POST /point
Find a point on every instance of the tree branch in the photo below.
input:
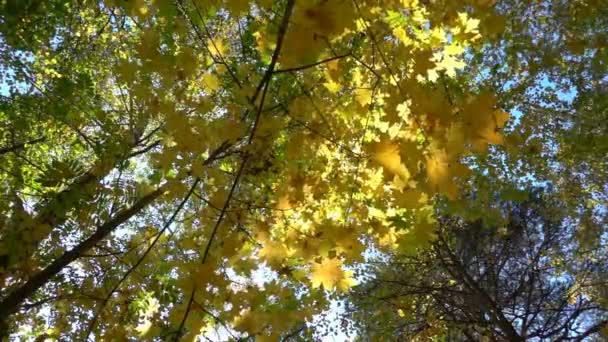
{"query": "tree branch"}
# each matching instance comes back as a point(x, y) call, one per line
point(19, 146)
point(11, 303)
point(594, 329)
point(307, 66)
point(505, 326)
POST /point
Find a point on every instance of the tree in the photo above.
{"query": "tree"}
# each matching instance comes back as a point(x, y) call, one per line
point(549, 65)
point(159, 157)
point(523, 280)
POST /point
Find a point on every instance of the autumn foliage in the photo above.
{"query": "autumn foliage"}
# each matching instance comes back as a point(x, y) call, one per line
point(170, 168)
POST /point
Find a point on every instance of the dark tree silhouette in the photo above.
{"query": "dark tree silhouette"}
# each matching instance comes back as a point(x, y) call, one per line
point(527, 280)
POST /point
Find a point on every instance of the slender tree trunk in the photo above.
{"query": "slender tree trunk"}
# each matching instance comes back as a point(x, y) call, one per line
point(11, 303)
point(54, 212)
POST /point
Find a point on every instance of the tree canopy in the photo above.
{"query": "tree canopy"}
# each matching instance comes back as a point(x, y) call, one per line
point(526, 280)
point(223, 169)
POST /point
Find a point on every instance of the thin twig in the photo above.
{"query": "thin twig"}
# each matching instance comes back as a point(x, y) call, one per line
point(307, 66)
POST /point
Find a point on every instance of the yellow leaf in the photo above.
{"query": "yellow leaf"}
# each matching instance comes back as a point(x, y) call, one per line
point(455, 139)
point(450, 63)
point(326, 17)
point(273, 252)
point(409, 3)
point(332, 86)
point(469, 24)
point(410, 198)
point(484, 122)
point(330, 275)
point(216, 47)
point(494, 24)
point(247, 322)
point(438, 173)
point(501, 118)
point(284, 203)
point(401, 34)
point(403, 110)
point(218, 198)
point(236, 7)
point(387, 155)
point(211, 82)
point(143, 328)
point(363, 96)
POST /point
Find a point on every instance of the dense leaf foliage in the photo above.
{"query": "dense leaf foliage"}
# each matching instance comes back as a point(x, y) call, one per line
point(171, 168)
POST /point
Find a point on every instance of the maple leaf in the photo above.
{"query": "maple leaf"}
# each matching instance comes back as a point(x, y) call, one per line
point(248, 322)
point(237, 7)
point(332, 86)
point(273, 252)
point(217, 47)
point(387, 154)
point(468, 24)
point(439, 174)
point(330, 275)
point(410, 198)
point(211, 82)
point(363, 96)
point(450, 64)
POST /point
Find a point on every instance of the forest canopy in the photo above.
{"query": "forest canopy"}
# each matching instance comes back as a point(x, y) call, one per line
point(226, 169)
